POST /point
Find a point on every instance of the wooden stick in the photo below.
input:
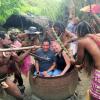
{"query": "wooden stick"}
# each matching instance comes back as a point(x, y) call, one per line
point(43, 58)
point(18, 49)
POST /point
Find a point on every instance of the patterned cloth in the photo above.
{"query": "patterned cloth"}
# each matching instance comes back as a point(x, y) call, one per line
point(27, 62)
point(95, 84)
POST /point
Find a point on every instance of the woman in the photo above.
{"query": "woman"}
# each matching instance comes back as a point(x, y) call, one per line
point(62, 60)
point(65, 36)
point(88, 55)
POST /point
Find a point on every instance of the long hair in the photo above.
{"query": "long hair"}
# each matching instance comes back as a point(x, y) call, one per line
point(61, 27)
point(83, 28)
point(88, 63)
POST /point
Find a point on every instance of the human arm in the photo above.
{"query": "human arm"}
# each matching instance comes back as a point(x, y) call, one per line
point(52, 67)
point(21, 57)
point(72, 37)
point(68, 63)
point(37, 66)
point(46, 73)
point(70, 34)
point(80, 52)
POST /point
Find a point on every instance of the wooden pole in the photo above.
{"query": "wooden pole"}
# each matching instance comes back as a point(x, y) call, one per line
point(18, 49)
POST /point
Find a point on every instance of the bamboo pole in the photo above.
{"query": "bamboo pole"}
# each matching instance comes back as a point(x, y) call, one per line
point(18, 49)
point(61, 43)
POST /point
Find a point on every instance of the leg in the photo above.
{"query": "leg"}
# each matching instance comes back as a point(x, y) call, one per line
point(19, 78)
point(13, 90)
point(56, 72)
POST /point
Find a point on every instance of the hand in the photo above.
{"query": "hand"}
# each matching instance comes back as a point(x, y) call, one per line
point(45, 74)
point(72, 60)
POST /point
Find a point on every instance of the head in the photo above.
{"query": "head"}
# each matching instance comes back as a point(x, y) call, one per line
point(47, 30)
point(59, 28)
point(32, 31)
point(56, 47)
point(75, 20)
point(4, 39)
point(46, 45)
point(83, 29)
point(12, 37)
point(7, 54)
point(32, 34)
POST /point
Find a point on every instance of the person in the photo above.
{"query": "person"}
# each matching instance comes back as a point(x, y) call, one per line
point(64, 36)
point(33, 35)
point(62, 60)
point(5, 83)
point(88, 56)
point(46, 63)
point(72, 25)
point(48, 33)
point(17, 73)
point(96, 17)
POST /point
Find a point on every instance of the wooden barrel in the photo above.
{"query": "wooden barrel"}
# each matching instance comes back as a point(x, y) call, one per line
point(54, 88)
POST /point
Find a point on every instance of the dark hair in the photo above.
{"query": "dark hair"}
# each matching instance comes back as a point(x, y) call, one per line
point(13, 37)
point(2, 35)
point(6, 46)
point(46, 40)
point(88, 63)
point(83, 29)
point(60, 25)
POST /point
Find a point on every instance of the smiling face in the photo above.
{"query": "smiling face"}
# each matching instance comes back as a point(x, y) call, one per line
point(46, 46)
point(56, 47)
point(6, 41)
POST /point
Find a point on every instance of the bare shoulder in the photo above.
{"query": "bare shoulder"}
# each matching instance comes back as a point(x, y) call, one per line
point(81, 42)
point(84, 41)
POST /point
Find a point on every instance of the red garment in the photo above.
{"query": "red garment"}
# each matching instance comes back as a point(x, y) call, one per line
point(96, 38)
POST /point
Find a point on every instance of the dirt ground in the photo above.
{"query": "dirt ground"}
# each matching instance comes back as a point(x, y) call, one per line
point(81, 90)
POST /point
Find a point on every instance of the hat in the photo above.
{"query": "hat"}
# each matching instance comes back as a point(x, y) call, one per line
point(32, 30)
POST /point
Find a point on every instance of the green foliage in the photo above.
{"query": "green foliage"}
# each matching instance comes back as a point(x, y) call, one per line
point(49, 8)
point(8, 7)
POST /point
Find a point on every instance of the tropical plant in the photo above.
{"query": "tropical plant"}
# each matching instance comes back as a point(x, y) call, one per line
point(47, 8)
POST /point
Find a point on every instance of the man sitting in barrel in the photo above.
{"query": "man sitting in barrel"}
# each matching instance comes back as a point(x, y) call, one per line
point(46, 62)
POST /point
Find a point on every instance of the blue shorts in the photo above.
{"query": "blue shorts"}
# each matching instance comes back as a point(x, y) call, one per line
point(41, 73)
point(51, 73)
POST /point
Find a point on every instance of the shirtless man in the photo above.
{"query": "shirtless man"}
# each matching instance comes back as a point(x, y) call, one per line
point(5, 83)
point(89, 57)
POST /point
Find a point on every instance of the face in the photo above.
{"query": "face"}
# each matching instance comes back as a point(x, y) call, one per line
point(6, 41)
point(56, 47)
point(46, 46)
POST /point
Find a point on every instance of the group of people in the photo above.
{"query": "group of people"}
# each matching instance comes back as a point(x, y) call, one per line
point(52, 59)
point(87, 56)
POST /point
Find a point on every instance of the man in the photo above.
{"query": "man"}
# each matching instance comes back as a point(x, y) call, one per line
point(5, 83)
point(88, 56)
point(72, 25)
point(46, 63)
